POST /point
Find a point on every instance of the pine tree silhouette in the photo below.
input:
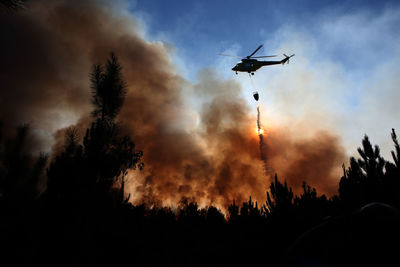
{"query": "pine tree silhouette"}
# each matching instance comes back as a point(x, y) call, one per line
point(108, 89)
point(392, 175)
point(371, 178)
point(396, 153)
point(91, 171)
point(280, 199)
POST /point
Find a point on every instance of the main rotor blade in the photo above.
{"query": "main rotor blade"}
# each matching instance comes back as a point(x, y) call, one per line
point(264, 56)
point(229, 55)
point(255, 51)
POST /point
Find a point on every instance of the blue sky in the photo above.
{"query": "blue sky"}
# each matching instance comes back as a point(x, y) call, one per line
point(345, 74)
point(202, 29)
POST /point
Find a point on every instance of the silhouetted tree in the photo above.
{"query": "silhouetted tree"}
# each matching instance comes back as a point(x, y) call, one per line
point(393, 168)
point(189, 212)
point(311, 209)
point(392, 175)
point(250, 213)
point(362, 182)
point(92, 170)
point(396, 153)
point(371, 162)
point(281, 198)
point(108, 89)
point(233, 212)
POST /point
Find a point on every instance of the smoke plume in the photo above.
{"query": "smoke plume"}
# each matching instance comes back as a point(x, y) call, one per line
point(198, 138)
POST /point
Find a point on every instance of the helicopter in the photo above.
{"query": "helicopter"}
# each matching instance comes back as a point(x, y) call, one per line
point(250, 64)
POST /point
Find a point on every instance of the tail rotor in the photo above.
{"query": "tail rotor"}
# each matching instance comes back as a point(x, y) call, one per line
point(287, 58)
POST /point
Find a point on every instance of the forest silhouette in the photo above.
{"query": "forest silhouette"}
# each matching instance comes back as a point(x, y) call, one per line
point(72, 209)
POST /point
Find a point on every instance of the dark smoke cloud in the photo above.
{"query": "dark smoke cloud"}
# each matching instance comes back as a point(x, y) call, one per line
point(216, 163)
point(316, 159)
point(209, 152)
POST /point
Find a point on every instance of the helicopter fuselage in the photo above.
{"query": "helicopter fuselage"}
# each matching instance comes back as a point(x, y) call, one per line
point(251, 65)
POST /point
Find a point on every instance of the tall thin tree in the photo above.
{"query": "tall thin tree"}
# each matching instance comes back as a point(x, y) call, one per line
point(108, 89)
